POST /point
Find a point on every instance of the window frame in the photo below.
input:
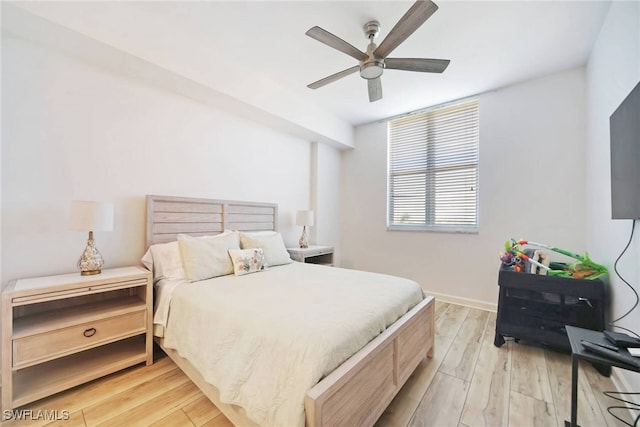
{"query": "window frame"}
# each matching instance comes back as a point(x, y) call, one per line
point(425, 227)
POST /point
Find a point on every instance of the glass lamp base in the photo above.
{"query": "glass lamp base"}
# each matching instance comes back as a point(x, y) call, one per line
point(304, 240)
point(90, 261)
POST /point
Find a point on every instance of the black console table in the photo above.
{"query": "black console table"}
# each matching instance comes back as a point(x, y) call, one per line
point(536, 308)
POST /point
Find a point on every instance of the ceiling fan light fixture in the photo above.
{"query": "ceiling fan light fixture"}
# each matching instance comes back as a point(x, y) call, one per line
point(371, 70)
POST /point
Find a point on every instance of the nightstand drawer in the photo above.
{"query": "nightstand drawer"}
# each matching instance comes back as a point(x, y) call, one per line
point(57, 343)
point(316, 252)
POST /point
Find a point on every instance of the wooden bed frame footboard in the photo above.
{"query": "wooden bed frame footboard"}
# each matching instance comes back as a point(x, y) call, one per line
point(359, 390)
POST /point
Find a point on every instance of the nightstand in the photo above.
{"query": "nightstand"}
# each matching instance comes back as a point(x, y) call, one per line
point(313, 254)
point(62, 331)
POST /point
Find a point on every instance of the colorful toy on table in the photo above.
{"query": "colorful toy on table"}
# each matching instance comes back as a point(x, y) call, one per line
point(512, 260)
point(517, 259)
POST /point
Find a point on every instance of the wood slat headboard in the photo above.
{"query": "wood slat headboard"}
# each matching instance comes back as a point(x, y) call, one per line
point(168, 216)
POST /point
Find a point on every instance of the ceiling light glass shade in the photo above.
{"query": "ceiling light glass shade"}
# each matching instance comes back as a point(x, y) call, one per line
point(371, 70)
point(91, 216)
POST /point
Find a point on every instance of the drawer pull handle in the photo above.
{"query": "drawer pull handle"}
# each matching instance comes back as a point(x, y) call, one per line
point(89, 332)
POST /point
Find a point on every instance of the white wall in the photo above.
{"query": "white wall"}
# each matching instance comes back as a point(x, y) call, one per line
point(194, 71)
point(613, 70)
point(532, 167)
point(325, 197)
point(72, 130)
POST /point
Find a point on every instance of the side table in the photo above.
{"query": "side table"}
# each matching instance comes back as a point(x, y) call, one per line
point(578, 352)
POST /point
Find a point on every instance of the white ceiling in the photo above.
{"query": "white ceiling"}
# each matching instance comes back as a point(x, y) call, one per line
point(491, 44)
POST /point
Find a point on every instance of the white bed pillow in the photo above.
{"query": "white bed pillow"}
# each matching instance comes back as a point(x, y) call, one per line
point(207, 258)
point(275, 252)
point(163, 259)
point(247, 261)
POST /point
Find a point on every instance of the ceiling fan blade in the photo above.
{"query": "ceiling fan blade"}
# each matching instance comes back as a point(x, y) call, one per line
point(375, 89)
point(324, 36)
point(411, 21)
point(333, 77)
point(417, 64)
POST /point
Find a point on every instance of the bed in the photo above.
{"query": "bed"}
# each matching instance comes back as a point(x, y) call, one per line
point(363, 381)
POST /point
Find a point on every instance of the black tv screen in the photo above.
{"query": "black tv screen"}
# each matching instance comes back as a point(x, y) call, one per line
point(624, 126)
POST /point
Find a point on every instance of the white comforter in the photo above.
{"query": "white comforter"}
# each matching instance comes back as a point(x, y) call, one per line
point(266, 338)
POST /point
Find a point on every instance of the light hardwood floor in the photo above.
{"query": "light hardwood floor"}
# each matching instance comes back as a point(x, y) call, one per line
point(469, 382)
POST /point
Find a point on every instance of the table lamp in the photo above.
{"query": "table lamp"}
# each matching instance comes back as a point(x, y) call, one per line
point(91, 216)
point(304, 219)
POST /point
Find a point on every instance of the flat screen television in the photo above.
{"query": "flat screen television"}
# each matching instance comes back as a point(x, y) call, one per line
point(624, 125)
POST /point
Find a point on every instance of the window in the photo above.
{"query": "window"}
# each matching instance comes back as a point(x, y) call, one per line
point(433, 169)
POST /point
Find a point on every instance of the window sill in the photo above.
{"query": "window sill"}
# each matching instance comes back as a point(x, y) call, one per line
point(435, 229)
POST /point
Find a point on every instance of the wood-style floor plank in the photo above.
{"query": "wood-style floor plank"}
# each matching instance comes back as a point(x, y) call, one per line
point(529, 373)
point(463, 353)
point(219, 421)
point(525, 411)
point(441, 308)
point(76, 419)
point(81, 397)
point(442, 403)
point(157, 408)
point(487, 403)
point(401, 409)
point(449, 320)
point(201, 411)
point(125, 401)
point(54, 419)
point(589, 413)
point(175, 419)
point(599, 384)
point(511, 386)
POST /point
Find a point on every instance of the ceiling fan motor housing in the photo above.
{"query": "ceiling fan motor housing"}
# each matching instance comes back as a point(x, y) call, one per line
point(372, 68)
point(371, 29)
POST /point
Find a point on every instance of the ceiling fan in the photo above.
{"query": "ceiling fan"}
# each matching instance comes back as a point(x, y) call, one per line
point(373, 63)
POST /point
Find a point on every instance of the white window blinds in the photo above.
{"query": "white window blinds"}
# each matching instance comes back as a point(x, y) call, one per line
point(433, 169)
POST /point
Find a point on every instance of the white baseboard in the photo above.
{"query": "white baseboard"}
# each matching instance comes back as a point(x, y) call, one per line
point(467, 302)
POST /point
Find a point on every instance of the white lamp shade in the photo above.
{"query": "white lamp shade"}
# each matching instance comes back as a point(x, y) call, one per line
point(304, 218)
point(91, 216)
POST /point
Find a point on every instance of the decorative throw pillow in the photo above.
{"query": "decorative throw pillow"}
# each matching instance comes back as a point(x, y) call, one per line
point(247, 261)
point(275, 252)
point(207, 258)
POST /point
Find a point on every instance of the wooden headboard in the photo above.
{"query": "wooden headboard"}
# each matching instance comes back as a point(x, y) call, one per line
point(169, 216)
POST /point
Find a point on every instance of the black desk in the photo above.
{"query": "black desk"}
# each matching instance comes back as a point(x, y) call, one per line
point(578, 352)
